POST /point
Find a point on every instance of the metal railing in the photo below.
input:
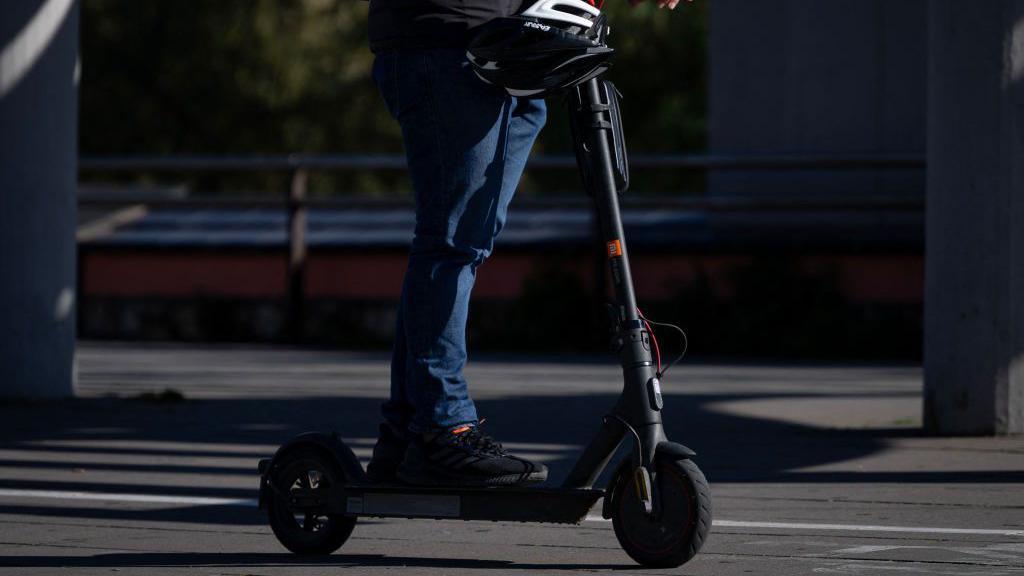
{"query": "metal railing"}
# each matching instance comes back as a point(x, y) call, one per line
point(295, 200)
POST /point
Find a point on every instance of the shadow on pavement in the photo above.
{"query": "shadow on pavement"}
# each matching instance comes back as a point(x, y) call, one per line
point(731, 448)
point(283, 560)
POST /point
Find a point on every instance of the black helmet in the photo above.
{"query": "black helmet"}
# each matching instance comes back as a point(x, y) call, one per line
point(552, 45)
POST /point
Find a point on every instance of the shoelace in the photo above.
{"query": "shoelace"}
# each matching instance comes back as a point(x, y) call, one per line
point(480, 442)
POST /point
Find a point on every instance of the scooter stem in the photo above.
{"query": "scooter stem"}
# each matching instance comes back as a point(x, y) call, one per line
point(637, 408)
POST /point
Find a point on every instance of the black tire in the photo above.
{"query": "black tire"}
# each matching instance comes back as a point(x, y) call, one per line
point(307, 471)
point(678, 529)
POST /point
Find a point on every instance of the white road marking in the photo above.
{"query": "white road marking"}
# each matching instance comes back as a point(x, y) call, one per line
point(994, 552)
point(865, 528)
point(851, 527)
point(251, 502)
point(867, 549)
point(134, 498)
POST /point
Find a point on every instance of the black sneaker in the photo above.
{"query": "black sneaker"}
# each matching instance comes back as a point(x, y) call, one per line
point(464, 456)
point(387, 454)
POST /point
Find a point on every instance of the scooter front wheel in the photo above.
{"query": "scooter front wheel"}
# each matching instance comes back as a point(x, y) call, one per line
point(678, 526)
point(305, 476)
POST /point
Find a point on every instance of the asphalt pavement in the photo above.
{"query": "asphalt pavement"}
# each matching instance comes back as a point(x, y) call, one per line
point(815, 469)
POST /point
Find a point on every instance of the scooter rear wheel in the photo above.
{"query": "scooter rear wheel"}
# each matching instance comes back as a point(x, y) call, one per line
point(303, 475)
point(677, 529)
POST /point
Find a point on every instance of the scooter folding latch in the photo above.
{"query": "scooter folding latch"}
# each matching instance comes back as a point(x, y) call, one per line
point(642, 480)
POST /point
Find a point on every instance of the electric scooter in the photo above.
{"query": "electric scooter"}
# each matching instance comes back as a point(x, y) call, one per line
point(314, 488)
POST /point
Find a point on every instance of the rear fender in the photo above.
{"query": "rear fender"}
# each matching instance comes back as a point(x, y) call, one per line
point(328, 445)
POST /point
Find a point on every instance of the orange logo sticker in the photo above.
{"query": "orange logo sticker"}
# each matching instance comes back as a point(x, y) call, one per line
point(614, 249)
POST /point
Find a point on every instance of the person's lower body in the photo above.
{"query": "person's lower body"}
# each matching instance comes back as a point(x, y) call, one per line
point(467, 144)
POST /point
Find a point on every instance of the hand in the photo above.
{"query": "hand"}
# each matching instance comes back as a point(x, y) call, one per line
point(671, 4)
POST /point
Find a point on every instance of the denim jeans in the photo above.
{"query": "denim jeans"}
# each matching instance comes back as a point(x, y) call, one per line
point(466, 143)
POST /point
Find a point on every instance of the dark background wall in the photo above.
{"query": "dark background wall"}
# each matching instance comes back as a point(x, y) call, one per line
point(782, 76)
point(834, 77)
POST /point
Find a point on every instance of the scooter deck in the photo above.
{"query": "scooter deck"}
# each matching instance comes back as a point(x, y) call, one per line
point(515, 504)
point(499, 503)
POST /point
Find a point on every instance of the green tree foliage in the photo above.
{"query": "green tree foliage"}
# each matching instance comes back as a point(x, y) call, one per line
point(293, 76)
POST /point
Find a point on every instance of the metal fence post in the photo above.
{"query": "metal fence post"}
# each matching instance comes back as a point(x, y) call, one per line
point(295, 287)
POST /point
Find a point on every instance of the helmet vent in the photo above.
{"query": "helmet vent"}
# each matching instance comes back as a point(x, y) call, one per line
point(575, 12)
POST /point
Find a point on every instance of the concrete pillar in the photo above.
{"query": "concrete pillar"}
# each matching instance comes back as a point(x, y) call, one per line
point(38, 135)
point(974, 297)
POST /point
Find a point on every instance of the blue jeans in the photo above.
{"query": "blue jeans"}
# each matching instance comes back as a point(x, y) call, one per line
point(466, 143)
